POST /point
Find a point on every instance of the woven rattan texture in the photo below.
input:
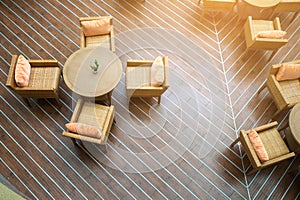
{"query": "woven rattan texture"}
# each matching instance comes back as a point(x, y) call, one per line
point(273, 143)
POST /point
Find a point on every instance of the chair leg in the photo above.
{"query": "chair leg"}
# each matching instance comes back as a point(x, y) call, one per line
point(295, 15)
point(57, 99)
point(284, 126)
point(275, 114)
point(262, 88)
point(198, 2)
point(234, 142)
point(273, 53)
point(27, 101)
point(103, 148)
point(74, 141)
point(252, 170)
point(158, 100)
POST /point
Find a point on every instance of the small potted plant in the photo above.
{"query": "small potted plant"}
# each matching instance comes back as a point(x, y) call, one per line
point(94, 67)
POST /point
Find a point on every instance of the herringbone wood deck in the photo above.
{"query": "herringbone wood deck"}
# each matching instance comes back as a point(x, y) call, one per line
point(179, 149)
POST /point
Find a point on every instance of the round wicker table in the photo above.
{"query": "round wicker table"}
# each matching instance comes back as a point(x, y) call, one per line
point(293, 137)
point(82, 80)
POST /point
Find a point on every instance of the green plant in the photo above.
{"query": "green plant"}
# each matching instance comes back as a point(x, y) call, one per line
point(95, 66)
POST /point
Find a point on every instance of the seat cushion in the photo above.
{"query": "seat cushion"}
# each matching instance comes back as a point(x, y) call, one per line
point(273, 143)
point(22, 71)
point(288, 71)
point(138, 77)
point(84, 129)
point(290, 90)
point(94, 115)
point(96, 27)
point(44, 78)
point(262, 25)
point(103, 40)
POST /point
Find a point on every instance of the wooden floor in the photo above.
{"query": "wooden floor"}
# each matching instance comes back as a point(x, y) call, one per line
point(176, 150)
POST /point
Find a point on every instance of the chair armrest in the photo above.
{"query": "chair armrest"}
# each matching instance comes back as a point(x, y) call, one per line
point(276, 23)
point(82, 137)
point(43, 63)
point(278, 159)
point(166, 72)
point(10, 82)
point(275, 90)
point(249, 27)
point(109, 120)
point(112, 38)
point(136, 63)
point(77, 110)
point(265, 127)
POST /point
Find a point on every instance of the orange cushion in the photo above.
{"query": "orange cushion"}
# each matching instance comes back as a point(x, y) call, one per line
point(288, 71)
point(157, 72)
point(276, 34)
point(96, 27)
point(22, 71)
point(258, 145)
point(84, 129)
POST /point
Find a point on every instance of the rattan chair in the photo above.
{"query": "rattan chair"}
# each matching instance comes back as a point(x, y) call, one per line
point(106, 40)
point(253, 27)
point(275, 146)
point(288, 6)
point(43, 81)
point(138, 79)
point(286, 93)
point(95, 115)
point(218, 5)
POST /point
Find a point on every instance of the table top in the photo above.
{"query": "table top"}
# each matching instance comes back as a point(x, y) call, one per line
point(79, 77)
point(262, 3)
point(294, 122)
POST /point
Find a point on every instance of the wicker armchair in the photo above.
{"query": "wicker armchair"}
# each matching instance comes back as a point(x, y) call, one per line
point(95, 115)
point(275, 146)
point(138, 81)
point(288, 6)
point(251, 29)
point(43, 82)
point(218, 5)
point(286, 93)
point(106, 40)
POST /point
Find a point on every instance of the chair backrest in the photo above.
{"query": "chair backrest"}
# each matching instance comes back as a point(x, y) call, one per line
point(274, 69)
point(109, 38)
point(11, 74)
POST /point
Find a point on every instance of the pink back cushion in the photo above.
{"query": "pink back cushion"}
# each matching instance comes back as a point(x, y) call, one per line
point(22, 71)
point(275, 34)
point(288, 71)
point(258, 145)
point(157, 72)
point(84, 129)
point(96, 27)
